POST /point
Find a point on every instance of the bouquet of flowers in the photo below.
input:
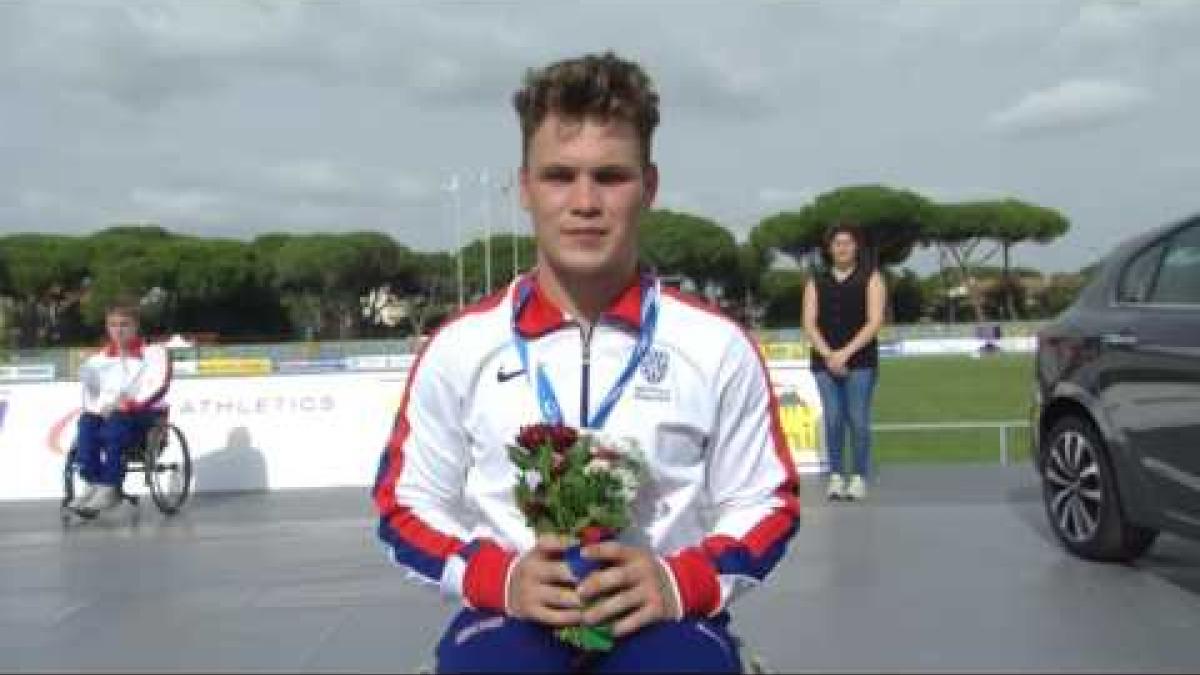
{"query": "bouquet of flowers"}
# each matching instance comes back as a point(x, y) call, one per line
point(580, 486)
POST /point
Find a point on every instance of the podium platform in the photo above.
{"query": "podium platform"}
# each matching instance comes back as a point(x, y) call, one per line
point(945, 568)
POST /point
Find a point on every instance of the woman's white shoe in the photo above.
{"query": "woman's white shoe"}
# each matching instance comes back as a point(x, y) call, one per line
point(837, 487)
point(858, 488)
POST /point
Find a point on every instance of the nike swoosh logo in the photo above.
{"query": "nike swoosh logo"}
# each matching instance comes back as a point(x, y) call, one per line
point(502, 376)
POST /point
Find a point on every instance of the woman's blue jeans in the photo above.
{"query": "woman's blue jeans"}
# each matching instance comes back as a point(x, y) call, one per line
point(846, 401)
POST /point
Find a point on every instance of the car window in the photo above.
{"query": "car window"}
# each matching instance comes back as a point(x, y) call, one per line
point(1179, 277)
point(1138, 277)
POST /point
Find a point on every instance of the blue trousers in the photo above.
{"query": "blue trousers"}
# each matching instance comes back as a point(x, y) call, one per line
point(100, 442)
point(485, 642)
point(846, 401)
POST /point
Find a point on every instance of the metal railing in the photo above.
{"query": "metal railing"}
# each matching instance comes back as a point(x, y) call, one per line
point(1001, 427)
point(790, 342)
point(916, 331)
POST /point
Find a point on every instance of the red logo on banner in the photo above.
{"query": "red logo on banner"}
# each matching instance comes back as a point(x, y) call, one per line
point(54, 438)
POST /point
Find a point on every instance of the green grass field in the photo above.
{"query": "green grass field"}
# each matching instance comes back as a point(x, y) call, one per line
point(952, 389)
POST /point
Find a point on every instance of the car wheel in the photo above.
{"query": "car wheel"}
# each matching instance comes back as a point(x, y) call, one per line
point(1080, 494)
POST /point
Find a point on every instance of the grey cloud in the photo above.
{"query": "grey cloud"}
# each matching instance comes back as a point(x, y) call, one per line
point(144, 55)
point(333, 182)
point(1122, 23)
point(171, 205)
point(1070, 106)
point(786, 198)
point(234, 118)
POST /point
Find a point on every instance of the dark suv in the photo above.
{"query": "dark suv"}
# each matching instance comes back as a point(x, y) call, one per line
point(1117, 405)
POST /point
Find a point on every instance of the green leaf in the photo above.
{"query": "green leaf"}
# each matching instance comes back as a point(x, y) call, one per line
point(579, 455)
point(571, 635)
point(597, 638)
point(588, 638)
point(520, 457)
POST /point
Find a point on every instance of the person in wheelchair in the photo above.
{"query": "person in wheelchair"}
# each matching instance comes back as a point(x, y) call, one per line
point(124, 390)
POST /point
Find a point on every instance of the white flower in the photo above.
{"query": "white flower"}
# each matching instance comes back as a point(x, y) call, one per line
point(629, 482)
point(625, 447)
point(533, 479)
point(632, 450)
point(598, 465)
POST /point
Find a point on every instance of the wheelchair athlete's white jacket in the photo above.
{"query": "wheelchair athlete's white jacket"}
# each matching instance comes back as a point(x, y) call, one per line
point(141, 372)
point(721, 501)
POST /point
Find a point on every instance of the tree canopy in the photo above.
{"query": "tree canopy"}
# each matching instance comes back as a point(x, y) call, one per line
point(283, 285)
point(689, 246)
point(893, 221)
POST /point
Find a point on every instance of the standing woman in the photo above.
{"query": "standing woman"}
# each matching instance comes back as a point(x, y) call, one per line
point(843, 312)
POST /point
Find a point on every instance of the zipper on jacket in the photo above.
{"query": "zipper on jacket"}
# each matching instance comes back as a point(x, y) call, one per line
point(586, 362)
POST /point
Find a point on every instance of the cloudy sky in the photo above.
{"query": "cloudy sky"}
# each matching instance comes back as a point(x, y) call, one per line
point(239, 117)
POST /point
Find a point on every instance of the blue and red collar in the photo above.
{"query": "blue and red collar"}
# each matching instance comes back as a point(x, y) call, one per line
point(539, 315)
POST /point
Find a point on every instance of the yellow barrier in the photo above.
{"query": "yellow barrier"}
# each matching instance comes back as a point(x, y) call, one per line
point(799, 424)
point(233, 366)
point(784, 350)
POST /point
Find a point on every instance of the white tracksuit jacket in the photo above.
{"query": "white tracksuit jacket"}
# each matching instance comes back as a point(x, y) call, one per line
point(142, 372)
point(721, 500)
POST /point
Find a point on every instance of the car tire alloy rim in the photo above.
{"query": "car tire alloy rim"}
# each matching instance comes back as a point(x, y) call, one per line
point(1074, 492)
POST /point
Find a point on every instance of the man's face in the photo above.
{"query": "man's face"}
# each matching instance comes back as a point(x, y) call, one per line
point(120, 328)
point(585, 186)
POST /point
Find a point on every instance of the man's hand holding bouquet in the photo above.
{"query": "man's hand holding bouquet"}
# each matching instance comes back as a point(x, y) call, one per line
point(576, 491)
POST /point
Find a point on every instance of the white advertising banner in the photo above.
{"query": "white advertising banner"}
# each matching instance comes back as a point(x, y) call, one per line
point(30, 415)
point(283, 431)
point(799, 412)
point(36, 372)
point(968, 346)
point(244, 433)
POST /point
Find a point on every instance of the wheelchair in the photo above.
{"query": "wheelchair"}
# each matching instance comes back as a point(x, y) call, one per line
point(162, 458)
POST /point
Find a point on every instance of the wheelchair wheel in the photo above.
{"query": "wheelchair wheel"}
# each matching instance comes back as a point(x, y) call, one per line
point(168, 466)
point(72, 482)
point(71, 479)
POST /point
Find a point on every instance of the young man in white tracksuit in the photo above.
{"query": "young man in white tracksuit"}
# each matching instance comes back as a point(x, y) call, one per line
point(124, 390)
point(620, 353)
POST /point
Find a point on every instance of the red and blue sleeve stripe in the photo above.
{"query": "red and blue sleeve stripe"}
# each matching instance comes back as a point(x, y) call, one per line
point(759, 550)
point(697, 570)
point(421, 547)
point(414, 544)
point(757, 553)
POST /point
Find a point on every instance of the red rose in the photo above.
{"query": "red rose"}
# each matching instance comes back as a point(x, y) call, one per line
point(558, 436)
point(563, 438)
point(530, 437)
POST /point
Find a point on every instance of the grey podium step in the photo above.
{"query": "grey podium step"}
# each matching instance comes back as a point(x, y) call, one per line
point(944, 568)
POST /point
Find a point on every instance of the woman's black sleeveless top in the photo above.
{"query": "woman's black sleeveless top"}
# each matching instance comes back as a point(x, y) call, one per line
point(841, 313)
